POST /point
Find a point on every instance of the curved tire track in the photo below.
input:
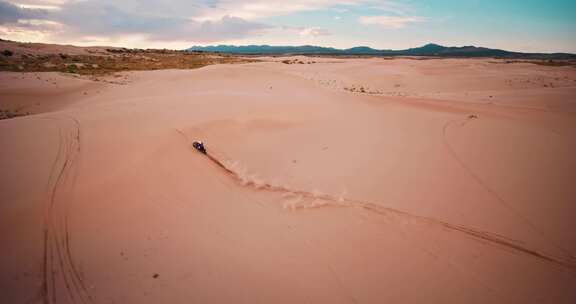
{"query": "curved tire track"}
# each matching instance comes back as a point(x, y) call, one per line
point(497, 197)
point(59, 268)
point(492, 238)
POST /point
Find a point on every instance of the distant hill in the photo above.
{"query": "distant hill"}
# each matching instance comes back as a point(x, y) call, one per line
point(266, 49)
point(431, 49)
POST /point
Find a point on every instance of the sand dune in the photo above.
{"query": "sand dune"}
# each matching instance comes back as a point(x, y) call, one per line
point(444, 181)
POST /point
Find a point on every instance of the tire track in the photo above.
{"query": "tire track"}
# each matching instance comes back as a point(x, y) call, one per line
point(74, 272)
point(497, 197)
point(329, 200)
point(59, 268)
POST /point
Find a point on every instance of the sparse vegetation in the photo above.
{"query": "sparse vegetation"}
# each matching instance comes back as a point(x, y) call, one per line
point(296, 61)
point(549, 62)
point(362, 90)
point(113, 60)
point(7, 114)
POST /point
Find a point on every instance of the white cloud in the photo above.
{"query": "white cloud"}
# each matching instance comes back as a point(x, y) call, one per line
point(394, 22)
point(341, 10)
point(314, 32)
point(396, 8)
point(38, 6)
point(106, 19)
point(257, 9)
point(195, 21)
point(168, 21)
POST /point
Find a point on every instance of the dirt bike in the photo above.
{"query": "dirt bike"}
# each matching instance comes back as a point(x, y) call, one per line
point(198, 145)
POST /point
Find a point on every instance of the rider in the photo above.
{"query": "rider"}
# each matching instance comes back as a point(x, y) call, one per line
point(199, 145)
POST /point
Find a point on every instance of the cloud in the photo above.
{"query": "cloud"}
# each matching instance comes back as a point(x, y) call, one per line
point(195, 21)
point(113, 19)
point(314, 32)
point(185, 21)
point(97, 19)
point(259, 9)
point(256, 9)
point(393, 7)
point(341, 10)
point(38, 6)
point(394, 22)
point(39, 2)
point(11, 13)
point(226, 28)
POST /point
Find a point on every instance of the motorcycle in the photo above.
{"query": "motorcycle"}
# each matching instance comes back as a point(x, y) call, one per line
point(199, 146)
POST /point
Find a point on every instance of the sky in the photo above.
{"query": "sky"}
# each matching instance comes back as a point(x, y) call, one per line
point(516, 25)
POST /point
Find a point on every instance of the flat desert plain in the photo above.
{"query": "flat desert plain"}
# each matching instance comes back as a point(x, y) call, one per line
point(326, 181)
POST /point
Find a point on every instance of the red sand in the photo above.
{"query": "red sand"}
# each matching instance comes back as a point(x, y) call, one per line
point(451, 182)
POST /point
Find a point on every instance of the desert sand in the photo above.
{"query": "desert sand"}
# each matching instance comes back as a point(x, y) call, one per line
point(332, 181)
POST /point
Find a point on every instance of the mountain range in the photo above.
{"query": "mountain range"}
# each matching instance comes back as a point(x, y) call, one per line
point(431, 49)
